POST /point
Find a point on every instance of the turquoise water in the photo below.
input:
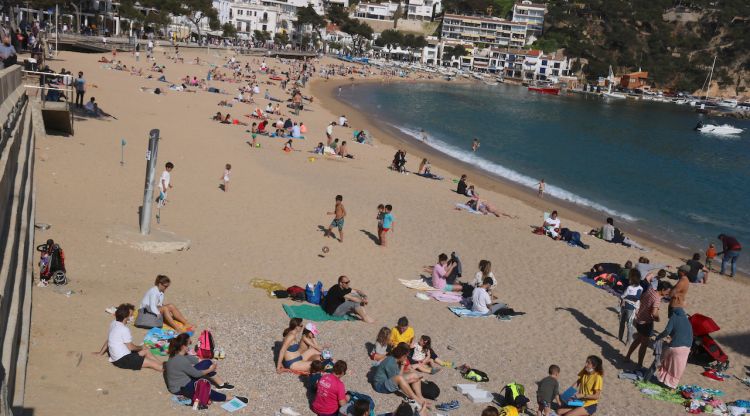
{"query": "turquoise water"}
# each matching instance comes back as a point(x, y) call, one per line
point(638, 161)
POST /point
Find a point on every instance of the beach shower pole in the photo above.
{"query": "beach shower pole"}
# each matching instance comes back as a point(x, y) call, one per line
point(148, 190)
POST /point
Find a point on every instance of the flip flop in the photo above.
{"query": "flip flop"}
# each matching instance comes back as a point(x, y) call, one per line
point(711, 374)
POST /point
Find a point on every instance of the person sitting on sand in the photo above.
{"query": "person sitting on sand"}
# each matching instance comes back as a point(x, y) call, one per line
point(424, 170)
point(318, 150)
point(119, 344)
point(288, 146)
point(330, 395)
point(399, 161)
point(262, 127)
point(423, 358)
point(485, 270)
point(296, 131)
point(361, 137)
point(481, 300)
point(380, 347)
point(290, 357)
point(218, 117)
point(440, 271)
point(551, 226)
point(698, 272)
point(462, 185)
point(343, 300)
point(183, 370)
point(153, 311)
point(588, 388)
point(390, 376)
point(309, 341)
point(343, 151)
point(93, 109)
point(227, 119)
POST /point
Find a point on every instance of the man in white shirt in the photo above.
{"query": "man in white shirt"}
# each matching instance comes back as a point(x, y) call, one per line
point(329, 133)
point(122, 352)
point(482, 301)
point(343, 122)
point(552, 226)
point(165, 183)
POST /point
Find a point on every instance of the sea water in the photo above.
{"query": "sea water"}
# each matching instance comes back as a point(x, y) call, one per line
point(640, 162)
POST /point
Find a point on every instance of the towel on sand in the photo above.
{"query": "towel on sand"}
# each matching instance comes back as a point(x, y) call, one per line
point(312, 313)
point(463, 312)
point(268, 285)
point(592, 282)
point(417, 284)
point(451, 297)
point(467, 208)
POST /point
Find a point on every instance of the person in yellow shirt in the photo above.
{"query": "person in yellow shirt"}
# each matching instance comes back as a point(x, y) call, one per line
point(402, 332)
point(589, 388)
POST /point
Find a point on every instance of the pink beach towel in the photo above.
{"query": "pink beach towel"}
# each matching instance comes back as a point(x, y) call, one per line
point(673, 365)
point(446, 297)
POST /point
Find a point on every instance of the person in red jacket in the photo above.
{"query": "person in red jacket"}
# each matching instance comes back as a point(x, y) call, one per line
point(731, 250)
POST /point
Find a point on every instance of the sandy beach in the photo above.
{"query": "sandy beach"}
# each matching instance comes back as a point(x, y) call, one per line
point(269, 226)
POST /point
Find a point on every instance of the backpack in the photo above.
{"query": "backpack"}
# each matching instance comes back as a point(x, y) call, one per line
point(430, 390)
point(478, 376)
point(314, 294)
point(206, 345)
point(515, 395)
point(354, 396)
point(201, 393)
point(296, 293)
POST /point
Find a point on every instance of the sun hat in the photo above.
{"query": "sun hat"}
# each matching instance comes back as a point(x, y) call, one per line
point(312, 328)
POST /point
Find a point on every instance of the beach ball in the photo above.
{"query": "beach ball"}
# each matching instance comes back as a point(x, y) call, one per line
point(257, 145)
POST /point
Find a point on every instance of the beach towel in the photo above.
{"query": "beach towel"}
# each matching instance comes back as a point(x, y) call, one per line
point(417, 284)
point(658, 392)
point(446, 297)
point(463, 312)
point(157, 340)
point(312, 313)
point(467, 208)
point(268, 285)
point(592, 282)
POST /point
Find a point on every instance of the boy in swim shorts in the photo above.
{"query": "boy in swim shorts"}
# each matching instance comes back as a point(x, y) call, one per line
point(339, 212)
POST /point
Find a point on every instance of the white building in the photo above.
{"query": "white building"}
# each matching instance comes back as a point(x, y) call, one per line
point(416, 10)
point(432, 53)
point(532, 14)
point(247, 18)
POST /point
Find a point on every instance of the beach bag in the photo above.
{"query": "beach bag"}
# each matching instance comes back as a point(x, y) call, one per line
point(354, 396)
point(296, 293)
point(478, 376)
point(148, 320)
point(430, 390)
point(508, 410)
point(201, 393)
point(314, 293)
point(206, 345)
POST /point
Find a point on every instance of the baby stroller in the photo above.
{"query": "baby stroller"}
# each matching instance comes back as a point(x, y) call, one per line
point(705, 351)
point(52, 263)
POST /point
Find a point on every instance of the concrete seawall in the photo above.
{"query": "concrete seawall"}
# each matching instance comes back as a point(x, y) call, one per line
point(17, 136)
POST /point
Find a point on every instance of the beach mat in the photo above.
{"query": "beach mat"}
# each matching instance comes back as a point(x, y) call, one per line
point(592, 282)
point(312, 313)
point(417, 284)
point(467, 208)
point(463, 312)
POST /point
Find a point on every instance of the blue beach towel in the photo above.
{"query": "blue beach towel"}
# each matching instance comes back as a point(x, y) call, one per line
point(592, 282)
point(463, 312)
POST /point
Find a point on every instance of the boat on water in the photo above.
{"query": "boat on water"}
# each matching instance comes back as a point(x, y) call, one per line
point(545, 89)
point(610, 93)
point(723, 129)
point(726, 103)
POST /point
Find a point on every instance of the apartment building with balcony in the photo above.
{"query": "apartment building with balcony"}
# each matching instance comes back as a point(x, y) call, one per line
point(532, 14)
point(416, 10)
point(486, 31)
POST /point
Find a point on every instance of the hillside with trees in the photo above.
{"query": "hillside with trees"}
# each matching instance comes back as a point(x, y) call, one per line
point(674, 41)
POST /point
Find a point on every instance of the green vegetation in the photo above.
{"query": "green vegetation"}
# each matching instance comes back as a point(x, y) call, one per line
point(632, 34)
point(498, 8)
point(397, 38)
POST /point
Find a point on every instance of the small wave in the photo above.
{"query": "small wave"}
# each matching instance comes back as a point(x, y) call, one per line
point(510, 174)
point(702, 219)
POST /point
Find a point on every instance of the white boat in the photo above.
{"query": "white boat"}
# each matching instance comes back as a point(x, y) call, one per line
point(610, 93)
point(728, 103)
point(724, 129)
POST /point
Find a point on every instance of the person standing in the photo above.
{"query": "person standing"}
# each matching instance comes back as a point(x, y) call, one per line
point(387, 224)
point(645, 316)
point(540, 191)
point(475, 145)
point(165, 183)
point(8, 55)
point(677, 297)
point(675, 358)
point(731, 250)
point(339, 212)
point(80, 84)
point(329, 133)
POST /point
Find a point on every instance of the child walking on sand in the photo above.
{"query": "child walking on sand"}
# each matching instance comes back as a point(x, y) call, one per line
point(225, 178)
point(548, 391)
point(339, 212)
point(710, 255)
point(379, 217)
point(541, 188)
point(387, 224)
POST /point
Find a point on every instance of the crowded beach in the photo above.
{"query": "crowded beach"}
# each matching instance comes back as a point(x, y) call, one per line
point(434, 288)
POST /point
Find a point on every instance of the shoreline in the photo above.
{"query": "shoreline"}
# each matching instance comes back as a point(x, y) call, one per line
point(325, 92)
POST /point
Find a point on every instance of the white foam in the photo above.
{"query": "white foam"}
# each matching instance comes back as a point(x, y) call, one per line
point(511, 175)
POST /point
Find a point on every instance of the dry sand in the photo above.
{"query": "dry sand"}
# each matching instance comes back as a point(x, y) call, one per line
point(268, 226)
